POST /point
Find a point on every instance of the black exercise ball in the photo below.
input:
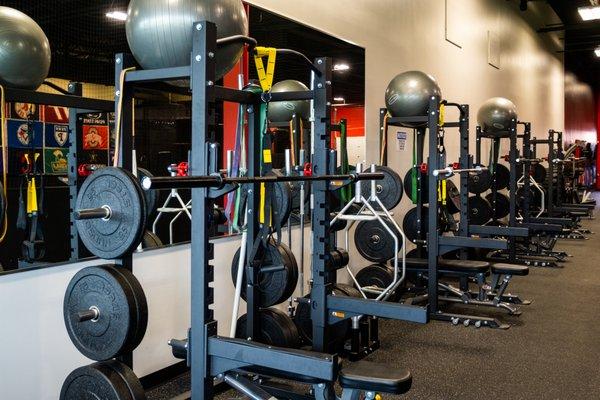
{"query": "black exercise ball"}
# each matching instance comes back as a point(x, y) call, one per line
point(496, 115)
point(408, 94)
point(159, 32)
point(24, 50)
point(283, 111)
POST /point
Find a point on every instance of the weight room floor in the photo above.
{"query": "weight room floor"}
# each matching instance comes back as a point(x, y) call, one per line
point(551, 352)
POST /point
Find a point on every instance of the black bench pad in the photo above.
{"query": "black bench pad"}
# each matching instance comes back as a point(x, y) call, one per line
point(510, 269)
point(370, 376)
point(451, 266)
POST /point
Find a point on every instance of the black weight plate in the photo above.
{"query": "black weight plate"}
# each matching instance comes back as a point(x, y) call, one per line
point(378, 275)
point(277, 328)
point(502, 176)
point(123, 231)
point(388, 189)
point(535, 198)
point(539, 173)
point(480, 211)
point(349, 290)
point(479, 182)
point(141, 307)
point(274, 286)
point(501, 207)
point(411, 226)
point(282, 206)
point(131, 380)
point(95, 382)
point(374, 242)
point(408, 177)
point(151, 240)
point(292, 267)
point(295, 189)
point(414, 253)
point(303, 321)
point(151, 196)
point(452, 197)
point(115, 328)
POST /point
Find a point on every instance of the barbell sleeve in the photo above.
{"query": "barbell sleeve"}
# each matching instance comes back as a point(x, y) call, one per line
point(92, 213)
point(448, 171)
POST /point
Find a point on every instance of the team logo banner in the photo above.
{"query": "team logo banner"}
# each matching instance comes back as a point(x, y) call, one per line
point(95, 137)
point(57, 135)
point(55, 161)
point(21, 134)
point(25, 111)
point(56, 114)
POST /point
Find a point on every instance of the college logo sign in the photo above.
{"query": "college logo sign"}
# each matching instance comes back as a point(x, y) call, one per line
point(61, 134)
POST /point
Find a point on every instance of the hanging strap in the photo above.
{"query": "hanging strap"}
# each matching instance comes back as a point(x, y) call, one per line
point(413, 176)
point(383, 139)
point(265, 77)
point(119, 116)
point(4, 139)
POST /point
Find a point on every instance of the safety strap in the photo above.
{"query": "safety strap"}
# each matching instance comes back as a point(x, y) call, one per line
point(413, 175)
point(346, 191)
point(383, 139)
point(265, 77)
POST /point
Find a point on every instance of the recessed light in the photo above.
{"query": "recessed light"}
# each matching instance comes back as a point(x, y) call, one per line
point(118, 15)
point(341, 67)
point(597, 51)
point(339, 99)
point(589, 13)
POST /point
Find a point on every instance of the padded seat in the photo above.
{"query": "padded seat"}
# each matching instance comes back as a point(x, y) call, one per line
point(370, 376)
point(510, 269)
point(451, 266)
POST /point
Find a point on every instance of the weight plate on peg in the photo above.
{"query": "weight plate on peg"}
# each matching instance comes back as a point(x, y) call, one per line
point(501, 207)
point(151, 196)
point(377, 275)
point(412, 227)
point(535, 198)
point(101, 381)
point(276, 285)
point(388, 189)
point(121, 306)
point(502, 176)
point(277, 328)
point(424, 182)
point(452, 197)
point(295, 189)
point(303, 320)
point(141, 306)
point(282, 206)
point(539, 173)
point(480, 210)
point(479, 182)
point(374, 242)
point(133, 383)
point(151, 240)
point(121, 233)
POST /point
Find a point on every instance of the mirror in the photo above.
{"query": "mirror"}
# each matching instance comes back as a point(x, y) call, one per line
point(83, 51)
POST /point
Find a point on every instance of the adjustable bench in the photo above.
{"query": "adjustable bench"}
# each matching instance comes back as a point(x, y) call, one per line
point(357, 378)
point(492, 295)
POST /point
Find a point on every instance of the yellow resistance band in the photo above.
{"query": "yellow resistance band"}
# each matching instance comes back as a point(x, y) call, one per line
point(265, 77)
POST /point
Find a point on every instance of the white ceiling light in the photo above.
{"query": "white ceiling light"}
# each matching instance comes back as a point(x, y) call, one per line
point(339, 99)
point(589, 13)
point(597, 51)
point(341, 67)
point(118, 15)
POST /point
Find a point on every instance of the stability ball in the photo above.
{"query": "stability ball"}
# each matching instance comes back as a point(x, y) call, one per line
point(159, 32)
point(408, 94)
point(24, 50)
point(496, 115)
point(283, 111)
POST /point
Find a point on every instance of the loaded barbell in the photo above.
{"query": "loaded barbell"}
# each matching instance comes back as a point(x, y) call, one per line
point(110, 212)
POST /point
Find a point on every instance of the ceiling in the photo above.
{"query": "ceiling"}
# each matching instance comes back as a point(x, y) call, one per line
point(581, 38)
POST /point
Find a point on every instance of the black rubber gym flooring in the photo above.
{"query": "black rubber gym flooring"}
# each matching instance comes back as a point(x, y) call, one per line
point(552, 351)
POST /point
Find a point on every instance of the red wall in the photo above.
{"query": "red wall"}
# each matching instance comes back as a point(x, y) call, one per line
point(355, 115)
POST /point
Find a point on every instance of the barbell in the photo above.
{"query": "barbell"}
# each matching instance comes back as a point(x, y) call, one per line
point(110, 212)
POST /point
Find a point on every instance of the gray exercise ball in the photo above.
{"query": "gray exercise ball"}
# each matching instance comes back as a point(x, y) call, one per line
point(283, 111)
point(408, 94)
point(24, 50)
point(159, 32)
point(496, 115)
